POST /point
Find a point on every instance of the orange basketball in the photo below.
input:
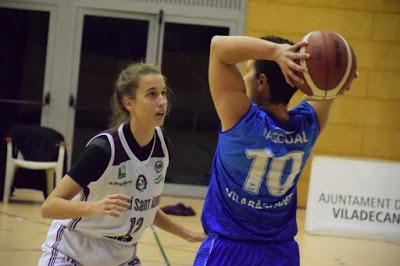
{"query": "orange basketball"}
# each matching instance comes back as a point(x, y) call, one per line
point(331, 67)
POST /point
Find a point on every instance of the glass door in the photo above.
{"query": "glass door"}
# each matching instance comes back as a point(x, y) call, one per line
point(109, 41)
point(192, 125)
point(23, 55)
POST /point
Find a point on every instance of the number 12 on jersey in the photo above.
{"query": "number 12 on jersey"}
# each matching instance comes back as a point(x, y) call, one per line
point(261, 158)
point(135, 223)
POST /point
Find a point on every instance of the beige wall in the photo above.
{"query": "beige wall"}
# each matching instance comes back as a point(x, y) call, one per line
point(365, 122)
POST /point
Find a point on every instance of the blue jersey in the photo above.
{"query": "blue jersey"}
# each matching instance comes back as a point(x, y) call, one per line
point(257, 164)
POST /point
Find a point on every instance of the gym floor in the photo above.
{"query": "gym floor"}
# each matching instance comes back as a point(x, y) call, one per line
point(22, 232)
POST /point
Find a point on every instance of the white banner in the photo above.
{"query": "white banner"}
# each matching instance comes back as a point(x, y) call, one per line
point(354, 197)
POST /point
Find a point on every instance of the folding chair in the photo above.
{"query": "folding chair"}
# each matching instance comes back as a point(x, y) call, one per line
point(35, 148)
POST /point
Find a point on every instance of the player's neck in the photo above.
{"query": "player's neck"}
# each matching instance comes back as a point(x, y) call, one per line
point(279, 111)
point(143, 134)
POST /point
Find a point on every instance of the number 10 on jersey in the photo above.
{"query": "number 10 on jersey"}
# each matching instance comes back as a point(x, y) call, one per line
point(259, 165)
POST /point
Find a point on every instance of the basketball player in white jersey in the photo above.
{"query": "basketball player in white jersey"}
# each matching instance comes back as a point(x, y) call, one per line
point(111, 194)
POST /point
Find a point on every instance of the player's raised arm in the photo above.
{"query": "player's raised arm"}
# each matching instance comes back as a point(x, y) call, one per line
point(323, 107)
point(226, 83)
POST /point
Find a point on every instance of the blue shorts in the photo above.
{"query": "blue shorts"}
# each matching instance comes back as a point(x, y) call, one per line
point(220, 251)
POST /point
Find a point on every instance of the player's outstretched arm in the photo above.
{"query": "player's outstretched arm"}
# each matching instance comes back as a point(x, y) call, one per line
point(164, 222)
point(322, 107)
point(226, 83)
point(58, 204)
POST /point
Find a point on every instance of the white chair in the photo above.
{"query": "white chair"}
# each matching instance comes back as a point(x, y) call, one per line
point(35, 148)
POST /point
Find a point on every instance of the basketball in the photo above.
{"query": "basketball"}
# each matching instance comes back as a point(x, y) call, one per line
point(331, 67)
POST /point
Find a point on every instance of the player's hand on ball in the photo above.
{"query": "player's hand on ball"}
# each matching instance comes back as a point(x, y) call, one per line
point(113, 205)
point(285, 56)
point(348, 88)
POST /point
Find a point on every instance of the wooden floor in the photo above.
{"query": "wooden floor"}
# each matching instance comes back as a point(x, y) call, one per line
point(22, 231)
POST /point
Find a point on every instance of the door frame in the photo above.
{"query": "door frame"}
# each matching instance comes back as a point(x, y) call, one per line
point(64, 50)
point(81, 12)
point(190, 21)
point(51, 7)
point(184, 189)
point(154, 51)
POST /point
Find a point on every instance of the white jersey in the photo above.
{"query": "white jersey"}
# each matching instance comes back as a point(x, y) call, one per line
point(142, 181)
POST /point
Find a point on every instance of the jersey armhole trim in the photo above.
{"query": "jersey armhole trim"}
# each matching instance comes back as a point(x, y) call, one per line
point(251, 107)
point(112, 147)
point(314, 115)
point(163, 144)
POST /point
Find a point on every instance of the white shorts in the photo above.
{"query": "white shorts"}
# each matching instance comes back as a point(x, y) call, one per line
point(67, 247)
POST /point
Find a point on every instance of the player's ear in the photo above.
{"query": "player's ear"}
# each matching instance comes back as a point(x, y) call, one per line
point(262, 82)
point(128, 103)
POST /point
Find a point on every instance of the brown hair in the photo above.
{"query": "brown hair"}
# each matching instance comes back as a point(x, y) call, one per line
point(126, 85)
point(280, 91)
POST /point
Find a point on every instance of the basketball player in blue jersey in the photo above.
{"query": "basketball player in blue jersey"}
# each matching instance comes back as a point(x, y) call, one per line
point(249, 213)
point(111, 194)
